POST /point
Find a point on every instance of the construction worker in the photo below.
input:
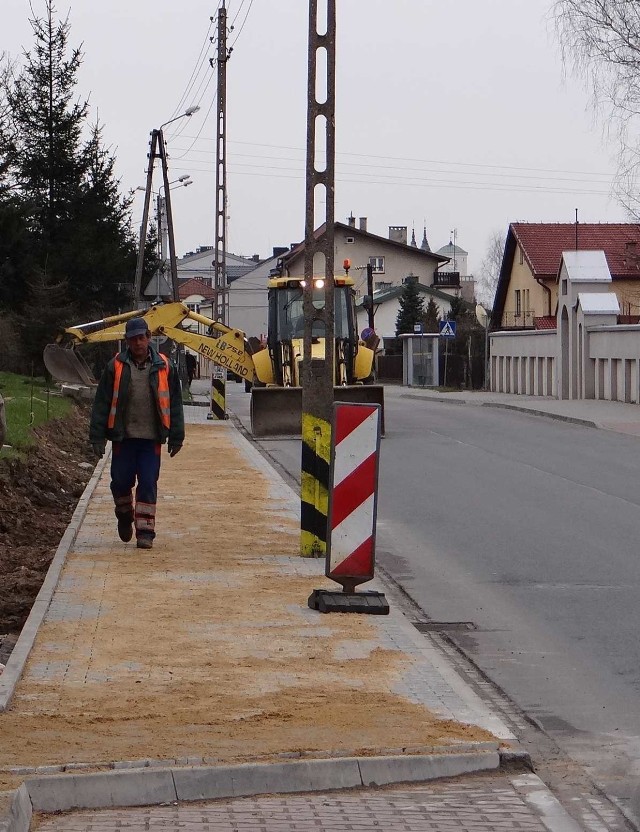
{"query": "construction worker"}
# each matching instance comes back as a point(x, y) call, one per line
point(138, 406)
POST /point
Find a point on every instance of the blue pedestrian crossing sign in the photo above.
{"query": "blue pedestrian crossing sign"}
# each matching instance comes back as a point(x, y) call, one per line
point(448, 329)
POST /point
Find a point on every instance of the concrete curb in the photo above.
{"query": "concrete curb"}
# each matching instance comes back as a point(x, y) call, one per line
point(142, 787)
point(18, 658)
point(558, 416)
point(18, 818)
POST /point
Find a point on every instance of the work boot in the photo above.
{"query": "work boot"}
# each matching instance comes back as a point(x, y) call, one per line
point(145, 542)
point(125, 527)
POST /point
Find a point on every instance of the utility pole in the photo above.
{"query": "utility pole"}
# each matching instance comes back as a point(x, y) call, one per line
point(318, 373)
point(137, 289)
point(157, 151)
point(370, 311)
point(220, 248)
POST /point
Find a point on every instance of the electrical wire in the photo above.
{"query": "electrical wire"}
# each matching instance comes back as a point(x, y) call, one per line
point(241, 27)
point(195, 71)
point(457, 184)
point(405, 169)
point(422, 161)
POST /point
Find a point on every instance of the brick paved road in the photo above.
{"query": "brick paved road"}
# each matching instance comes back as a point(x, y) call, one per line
point(475, 804)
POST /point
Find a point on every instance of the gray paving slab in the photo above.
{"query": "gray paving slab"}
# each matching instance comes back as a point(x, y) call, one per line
point(473, 804)
point(15, 665)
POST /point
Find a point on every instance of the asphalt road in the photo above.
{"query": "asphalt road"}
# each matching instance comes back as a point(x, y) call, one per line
point(527, 529)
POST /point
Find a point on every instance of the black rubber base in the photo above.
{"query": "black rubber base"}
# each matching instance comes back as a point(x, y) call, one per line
point(370, 603)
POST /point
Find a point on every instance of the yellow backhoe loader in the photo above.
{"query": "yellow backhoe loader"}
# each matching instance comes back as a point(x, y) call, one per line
point(273, 372)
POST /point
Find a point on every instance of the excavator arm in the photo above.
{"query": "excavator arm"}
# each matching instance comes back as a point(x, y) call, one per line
point(223, 345)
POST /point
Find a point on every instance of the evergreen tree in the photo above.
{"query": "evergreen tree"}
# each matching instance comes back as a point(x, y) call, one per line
point(411, 308)
point(458, 310)
point(431, 317)
point(49, 308)
point(46, 125)
point(103, 250)
point(76, 222)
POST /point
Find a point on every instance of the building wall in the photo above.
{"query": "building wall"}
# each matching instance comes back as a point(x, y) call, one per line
point(387, 313)
point(535, 302)
point(398, 263)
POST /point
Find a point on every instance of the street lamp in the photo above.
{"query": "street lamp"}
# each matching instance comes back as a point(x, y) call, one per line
point(188, 112)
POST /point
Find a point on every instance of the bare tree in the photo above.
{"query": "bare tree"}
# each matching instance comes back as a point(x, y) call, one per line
point(490, 269)
point(600, 40)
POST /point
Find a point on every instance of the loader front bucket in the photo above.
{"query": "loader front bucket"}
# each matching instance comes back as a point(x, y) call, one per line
point(66, 366)
point(277, 411)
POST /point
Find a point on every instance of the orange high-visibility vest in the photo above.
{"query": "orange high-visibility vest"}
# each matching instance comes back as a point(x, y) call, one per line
point(164, 400)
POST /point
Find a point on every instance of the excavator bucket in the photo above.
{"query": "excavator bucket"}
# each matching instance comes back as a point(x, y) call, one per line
point(277, 411)
point(67, 366)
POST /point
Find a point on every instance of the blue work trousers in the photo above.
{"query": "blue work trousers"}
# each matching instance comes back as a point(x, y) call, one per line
point(136, 460)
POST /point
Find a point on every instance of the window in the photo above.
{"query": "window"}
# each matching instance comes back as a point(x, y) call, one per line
point(518, 303)
point(521, 255)
point(377, 264)
point(194, 307)
point(564, 286)
point(350, 239)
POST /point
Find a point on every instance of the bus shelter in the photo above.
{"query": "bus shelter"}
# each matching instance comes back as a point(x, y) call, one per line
point(420, 366)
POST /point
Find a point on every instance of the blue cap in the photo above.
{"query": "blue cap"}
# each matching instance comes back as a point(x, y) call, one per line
point(135, 326)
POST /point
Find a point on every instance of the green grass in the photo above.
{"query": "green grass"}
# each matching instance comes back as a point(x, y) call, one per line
point(25, 403)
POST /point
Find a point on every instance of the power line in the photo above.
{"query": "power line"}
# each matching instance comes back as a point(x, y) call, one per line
point(394, 167)
point(196, 69)
point(241, 27)
point(426, 161)
point(414, 182)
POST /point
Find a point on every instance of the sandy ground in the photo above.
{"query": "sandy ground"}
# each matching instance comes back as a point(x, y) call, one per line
point(204, 646)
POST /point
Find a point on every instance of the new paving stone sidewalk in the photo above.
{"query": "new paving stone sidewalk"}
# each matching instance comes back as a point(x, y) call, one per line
point(203, 652)
point(482, 803)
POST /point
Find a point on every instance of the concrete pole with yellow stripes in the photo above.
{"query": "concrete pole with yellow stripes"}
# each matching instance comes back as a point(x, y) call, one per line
point(317, 372)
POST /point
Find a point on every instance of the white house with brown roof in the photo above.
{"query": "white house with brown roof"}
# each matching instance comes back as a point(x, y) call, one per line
point(391, 258)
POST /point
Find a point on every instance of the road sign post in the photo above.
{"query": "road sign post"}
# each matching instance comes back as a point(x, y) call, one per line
point(447, 331)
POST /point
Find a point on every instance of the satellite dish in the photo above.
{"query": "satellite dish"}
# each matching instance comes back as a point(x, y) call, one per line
point(482, 315)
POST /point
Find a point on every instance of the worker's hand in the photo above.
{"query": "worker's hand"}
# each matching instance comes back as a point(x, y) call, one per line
point(173, 448)
point(99, 448)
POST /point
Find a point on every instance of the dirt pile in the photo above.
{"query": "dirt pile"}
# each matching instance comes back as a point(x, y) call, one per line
point(38, 495)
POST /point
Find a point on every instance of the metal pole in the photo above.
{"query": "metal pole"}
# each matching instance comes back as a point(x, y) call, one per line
point(370, 293)
point(486, 354)
point(318, 373)
point(220, 248)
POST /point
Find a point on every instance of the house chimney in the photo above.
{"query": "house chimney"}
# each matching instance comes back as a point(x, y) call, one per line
point(278, 251)
point(363, 223)
point(351, 220)
point(398, 233)
point(411, 278)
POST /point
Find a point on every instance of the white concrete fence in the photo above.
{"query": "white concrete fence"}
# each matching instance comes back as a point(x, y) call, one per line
point(588, 356)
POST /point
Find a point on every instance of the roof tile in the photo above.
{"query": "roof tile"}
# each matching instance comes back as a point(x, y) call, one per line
point(543, 244)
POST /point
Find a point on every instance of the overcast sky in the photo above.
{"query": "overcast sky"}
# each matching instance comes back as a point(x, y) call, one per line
point(451, 114)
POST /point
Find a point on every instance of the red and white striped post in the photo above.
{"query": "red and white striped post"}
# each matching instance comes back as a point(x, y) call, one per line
point(353, 502)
